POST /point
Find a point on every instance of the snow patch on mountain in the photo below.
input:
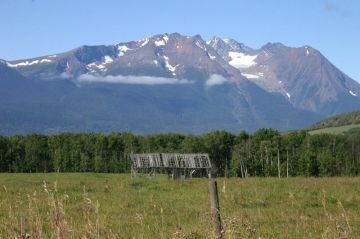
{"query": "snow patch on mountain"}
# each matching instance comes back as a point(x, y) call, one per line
point(145, 42)
point(198, 44)
point(211, 56)
point(29, 63)
point(166, 38)
point(135, 80)
point(170, 67)
point(45, 60)
point(108, 59)
point(352, 93)
point(93, 66)
point(241, 60)
point(122, 49)
point(215, 80)
point(251, 76)
point(162, 41)
point(226, 40)
point(98, 66)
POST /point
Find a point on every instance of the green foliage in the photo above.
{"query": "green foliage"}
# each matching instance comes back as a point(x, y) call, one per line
point(265, 153)
point(351, 118)
point(219, 144)
point(337, 130)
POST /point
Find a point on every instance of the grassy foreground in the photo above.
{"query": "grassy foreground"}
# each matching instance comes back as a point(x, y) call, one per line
point(115, 206)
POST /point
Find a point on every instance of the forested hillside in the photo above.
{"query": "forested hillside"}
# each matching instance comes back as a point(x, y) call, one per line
point(339, 120)
point(264, 153)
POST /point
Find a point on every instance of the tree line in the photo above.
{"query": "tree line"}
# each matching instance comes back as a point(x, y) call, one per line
point(264, 153)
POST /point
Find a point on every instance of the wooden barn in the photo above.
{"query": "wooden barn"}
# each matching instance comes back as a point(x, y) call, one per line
point(177, 166)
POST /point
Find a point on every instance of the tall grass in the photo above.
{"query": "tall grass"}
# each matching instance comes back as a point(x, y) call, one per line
point(116, 206)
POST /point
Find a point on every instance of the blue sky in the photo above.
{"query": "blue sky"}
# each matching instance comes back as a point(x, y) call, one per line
point(39, 27)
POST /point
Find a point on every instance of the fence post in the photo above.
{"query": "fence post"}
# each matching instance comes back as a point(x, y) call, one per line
point(23, 228)
point(215, 209)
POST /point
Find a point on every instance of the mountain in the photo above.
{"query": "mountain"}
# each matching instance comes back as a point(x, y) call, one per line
point(172, 82)
point(303, 75)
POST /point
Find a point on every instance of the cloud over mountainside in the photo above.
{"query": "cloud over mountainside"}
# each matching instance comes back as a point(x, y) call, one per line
point(136, 80)
point(215, 80)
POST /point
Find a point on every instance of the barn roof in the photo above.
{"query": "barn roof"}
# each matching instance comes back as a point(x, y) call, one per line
point(171, 160)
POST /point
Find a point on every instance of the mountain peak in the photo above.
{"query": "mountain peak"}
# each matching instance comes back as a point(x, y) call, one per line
point(273, 46)
point(215, 39)
point(225, 45)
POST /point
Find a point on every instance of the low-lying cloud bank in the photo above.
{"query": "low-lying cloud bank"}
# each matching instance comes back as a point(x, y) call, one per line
point(215, 80)
point(136, 80)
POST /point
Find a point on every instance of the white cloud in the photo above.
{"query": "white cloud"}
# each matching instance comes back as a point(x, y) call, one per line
point(136, 80)
point(65, 75)
point(215, 80)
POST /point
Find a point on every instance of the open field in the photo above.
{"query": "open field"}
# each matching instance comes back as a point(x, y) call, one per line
point(335, 130)
point(89, 205)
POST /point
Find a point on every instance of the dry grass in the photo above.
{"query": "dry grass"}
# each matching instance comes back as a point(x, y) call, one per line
point(116, 206)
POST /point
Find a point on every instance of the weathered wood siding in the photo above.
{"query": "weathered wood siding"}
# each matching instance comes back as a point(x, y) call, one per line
point(171, 160)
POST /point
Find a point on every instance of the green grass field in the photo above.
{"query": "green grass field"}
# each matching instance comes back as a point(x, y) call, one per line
point(89, 205)
point(335, 130)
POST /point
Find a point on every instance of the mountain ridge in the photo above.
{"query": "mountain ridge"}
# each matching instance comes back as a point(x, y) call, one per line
point(218, 84)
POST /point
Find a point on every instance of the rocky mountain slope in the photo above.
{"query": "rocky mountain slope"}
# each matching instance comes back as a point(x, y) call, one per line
point(302, 74)
point(172, 82)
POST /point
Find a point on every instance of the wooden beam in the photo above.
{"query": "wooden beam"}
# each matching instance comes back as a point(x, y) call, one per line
point(215, 209)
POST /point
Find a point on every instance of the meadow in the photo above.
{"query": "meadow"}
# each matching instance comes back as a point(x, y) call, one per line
point(92, 205)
